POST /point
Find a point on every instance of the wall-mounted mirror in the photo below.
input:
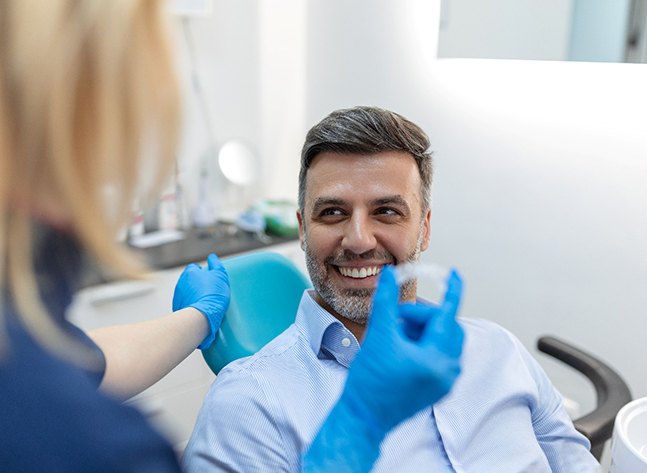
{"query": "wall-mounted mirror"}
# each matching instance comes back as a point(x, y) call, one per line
point(238, 162)
point(556, 30)
point(235, 175)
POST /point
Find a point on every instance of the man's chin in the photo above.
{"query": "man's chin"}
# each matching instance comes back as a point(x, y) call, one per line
point(358, 321)
point(355, 293)
point(355, 308)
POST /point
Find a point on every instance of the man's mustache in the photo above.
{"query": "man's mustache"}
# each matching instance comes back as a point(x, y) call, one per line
point(348, 257)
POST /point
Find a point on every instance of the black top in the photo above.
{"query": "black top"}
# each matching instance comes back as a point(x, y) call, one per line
point(52, 417)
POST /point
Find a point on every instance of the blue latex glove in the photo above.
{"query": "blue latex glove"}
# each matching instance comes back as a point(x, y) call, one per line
point(205, 289)
point(409, 360)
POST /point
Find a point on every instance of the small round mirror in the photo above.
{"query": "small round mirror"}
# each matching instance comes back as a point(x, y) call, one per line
point(238, 162)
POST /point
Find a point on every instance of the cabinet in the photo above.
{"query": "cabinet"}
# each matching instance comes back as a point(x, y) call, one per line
point(172, 404)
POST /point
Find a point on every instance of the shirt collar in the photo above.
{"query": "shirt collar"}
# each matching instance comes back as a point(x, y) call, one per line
point(328, 337)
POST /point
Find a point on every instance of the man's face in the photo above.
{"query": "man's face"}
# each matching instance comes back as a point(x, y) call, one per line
point(361, 212)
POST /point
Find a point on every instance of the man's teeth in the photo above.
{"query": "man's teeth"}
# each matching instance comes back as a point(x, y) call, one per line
point(359, 273)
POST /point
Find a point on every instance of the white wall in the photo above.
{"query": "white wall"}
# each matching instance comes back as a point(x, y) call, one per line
point(227, 47)
point(362, 52)
point(251, 65)
point(283, 43)
point(540, 199)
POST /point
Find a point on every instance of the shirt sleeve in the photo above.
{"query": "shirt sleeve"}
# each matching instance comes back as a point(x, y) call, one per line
point(235, 430)
point(96, 375)
point(565, 448)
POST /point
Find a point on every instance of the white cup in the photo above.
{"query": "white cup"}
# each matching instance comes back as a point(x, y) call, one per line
point(629, 440)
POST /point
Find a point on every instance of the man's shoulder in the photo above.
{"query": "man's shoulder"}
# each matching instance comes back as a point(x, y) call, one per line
point(258, 396)
point(259, 384)
point(278, 350)
point(487, 335)
point(482, 326)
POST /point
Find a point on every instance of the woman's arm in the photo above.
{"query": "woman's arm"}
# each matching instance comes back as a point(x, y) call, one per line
point(138, 355)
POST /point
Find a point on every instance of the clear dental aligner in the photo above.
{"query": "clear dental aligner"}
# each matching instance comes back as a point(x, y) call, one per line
point(432, 273)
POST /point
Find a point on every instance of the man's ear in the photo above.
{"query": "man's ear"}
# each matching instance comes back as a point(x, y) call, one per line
point(426, 230)
point(301, 229)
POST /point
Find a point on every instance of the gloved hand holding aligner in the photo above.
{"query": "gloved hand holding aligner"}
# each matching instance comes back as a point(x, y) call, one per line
point(409, 360)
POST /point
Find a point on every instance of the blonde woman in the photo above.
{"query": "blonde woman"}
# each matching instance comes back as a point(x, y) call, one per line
point(88, 109)
point(88, 99)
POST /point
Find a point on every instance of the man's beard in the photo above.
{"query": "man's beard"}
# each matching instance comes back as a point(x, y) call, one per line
point(354, 303)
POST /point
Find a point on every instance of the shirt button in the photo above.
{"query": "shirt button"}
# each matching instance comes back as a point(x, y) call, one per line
point(345, 342)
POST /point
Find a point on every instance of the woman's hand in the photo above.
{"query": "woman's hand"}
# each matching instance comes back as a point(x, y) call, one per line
point(207, 290)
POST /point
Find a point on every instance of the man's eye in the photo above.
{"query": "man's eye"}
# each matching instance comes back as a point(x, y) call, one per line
point(331, 212)
point(387, 211)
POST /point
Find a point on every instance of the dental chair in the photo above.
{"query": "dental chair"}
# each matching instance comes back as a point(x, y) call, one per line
point(266, 288)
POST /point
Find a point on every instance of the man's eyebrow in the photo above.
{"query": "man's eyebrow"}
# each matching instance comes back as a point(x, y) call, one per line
point(390, 200)
point(325, 202)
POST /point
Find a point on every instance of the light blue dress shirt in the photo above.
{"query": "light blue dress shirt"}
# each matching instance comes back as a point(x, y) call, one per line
point(502, 415)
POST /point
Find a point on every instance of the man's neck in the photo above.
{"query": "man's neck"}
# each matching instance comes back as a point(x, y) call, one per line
point(356, 328)
point(353, 327)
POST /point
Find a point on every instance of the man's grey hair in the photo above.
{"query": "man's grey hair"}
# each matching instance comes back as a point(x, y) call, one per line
point(367, 130)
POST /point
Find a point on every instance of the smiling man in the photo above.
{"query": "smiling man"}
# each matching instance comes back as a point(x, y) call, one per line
point(364, 192)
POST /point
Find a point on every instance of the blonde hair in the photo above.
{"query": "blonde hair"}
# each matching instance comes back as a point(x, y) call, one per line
point(88, 95)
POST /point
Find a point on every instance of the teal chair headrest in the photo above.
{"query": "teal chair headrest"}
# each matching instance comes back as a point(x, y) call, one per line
point(266, 289)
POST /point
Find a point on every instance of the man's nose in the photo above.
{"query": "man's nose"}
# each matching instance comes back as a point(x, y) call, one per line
point(359, 236)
